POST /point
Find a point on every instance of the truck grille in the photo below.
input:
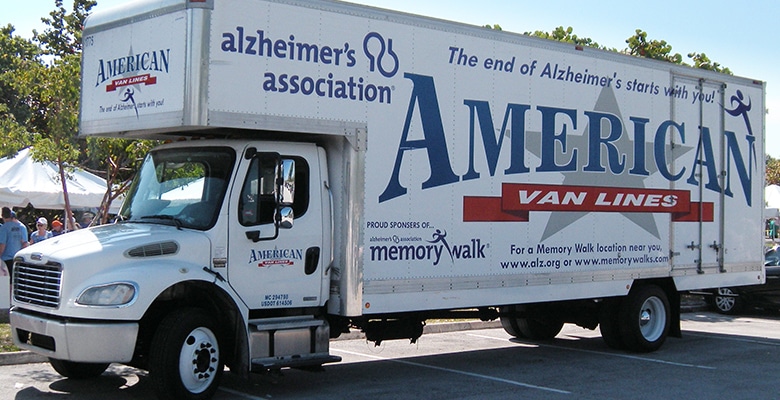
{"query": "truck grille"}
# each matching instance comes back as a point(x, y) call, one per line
point(38, 284)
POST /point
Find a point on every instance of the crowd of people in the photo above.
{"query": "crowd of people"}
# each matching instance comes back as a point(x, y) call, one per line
point(14, 235)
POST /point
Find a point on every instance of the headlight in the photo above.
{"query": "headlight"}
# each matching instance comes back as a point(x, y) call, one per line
point(115, 294)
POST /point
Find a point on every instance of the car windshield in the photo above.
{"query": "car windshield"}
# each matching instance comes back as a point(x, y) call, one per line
point(772, 257)
point(183, 187)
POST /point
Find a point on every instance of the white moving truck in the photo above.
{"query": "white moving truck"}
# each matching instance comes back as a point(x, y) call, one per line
point(334, 166)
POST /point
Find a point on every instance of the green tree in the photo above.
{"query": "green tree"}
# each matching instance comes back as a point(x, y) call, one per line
point(772, 170)
point(638, 45)
point(63, 35)
point(16, 54)
point(700, 60)
point(118, 160)
point(52, 92)
point(567, 35)
point(43, 97)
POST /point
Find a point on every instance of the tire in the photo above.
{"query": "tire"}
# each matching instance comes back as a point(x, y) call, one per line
point(185, 360)
point(609, 315)
point(539, 328)
point(509, 323)
point(77, 370)
point(645, 317)
point(725, 301)
point(534, 328)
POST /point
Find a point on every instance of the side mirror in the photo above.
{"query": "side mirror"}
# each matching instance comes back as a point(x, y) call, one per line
point(285, 191)
point(276, 184)
point(284, 217)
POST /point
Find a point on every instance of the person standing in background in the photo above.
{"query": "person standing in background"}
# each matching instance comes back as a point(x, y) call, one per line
point(56, 228)
point(13, 237)
point(86, 220)
point(42, 233)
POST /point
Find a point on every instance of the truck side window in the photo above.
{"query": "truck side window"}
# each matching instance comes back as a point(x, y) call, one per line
point(256, 204)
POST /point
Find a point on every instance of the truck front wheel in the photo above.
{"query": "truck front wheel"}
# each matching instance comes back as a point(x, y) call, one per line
point(185, 360)
point(645, 317)
point(77, 370)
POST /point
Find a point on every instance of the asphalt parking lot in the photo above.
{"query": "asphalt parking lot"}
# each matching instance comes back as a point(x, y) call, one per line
point(719, 357)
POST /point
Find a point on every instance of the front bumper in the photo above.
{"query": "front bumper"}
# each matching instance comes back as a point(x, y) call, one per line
point(92, 341)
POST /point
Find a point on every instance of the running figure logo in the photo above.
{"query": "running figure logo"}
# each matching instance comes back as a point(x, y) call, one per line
point(440, 236)
point(129, 98)
point(740, 108)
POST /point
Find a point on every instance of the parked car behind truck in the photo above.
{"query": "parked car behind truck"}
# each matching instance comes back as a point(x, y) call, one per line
point(735, 300)
point(342, 167)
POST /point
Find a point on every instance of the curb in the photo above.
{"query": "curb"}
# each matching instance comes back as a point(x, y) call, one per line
point(21, 357)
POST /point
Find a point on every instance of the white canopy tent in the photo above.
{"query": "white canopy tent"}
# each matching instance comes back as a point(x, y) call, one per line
point(23, 181)
point(772, 196)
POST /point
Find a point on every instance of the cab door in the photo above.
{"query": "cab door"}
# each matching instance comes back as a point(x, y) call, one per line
point(277, 264)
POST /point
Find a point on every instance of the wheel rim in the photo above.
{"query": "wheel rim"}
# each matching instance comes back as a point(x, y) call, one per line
point(198, 360)
point(725, 300)
point(652, 319)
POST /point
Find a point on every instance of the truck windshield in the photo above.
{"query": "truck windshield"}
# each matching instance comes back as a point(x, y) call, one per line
point(183, 187)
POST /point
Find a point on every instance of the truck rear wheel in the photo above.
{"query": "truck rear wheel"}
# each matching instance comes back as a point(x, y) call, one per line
point(645, 317)
point(185, 360)
point(77, 370)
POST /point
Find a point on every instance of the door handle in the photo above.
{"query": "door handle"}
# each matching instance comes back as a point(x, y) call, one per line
point(254, 236)
point(312, 260)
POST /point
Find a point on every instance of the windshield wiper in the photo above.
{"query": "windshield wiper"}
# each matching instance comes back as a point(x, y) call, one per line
point(175, 220)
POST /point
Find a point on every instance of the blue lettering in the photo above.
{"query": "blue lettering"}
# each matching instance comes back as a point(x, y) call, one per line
point(595, 141)
point(660, 148)
point(550, 137)
point(492, 145)
point(424, 96)
point(705, 157)
point(639, 146)
point(259, 44)
point(745, 172)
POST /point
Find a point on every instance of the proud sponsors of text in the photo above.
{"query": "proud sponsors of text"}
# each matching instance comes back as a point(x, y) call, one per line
point(398, 225)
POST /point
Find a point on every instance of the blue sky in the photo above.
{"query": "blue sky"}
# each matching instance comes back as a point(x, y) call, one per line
point(739, 35)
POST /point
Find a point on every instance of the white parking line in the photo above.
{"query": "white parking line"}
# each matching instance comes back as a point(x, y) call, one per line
point(719, 336)
point(455, 371)
point(628, 356)
point(241, 394)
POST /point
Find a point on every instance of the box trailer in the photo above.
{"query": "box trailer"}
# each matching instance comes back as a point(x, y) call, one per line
point(334, 166)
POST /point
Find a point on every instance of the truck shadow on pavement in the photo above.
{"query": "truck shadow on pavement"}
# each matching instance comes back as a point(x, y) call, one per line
point(117, 382)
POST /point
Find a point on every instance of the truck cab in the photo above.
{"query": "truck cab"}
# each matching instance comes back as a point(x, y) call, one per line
point(226, 243)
